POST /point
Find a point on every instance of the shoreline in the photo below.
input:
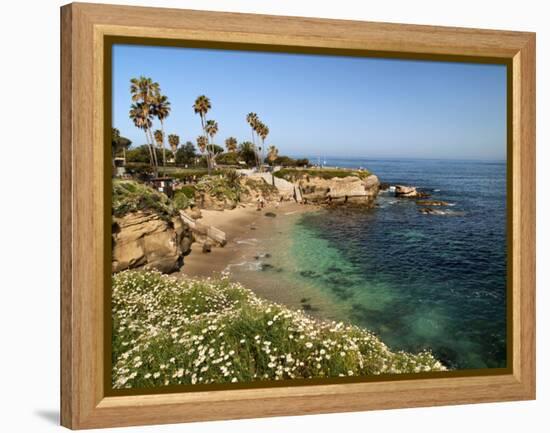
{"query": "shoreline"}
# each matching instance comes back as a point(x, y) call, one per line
point(240, 225)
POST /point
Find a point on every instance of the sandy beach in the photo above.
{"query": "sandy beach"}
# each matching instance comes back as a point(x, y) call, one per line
point(242, 226)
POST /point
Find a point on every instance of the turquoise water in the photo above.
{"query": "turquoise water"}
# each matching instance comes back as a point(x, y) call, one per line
point(419, 281)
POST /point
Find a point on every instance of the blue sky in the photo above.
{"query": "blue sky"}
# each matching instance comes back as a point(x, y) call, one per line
point(325, 105)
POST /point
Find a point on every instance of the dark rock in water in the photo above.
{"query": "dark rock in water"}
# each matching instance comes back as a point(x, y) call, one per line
point(404, 191)
point(432, 203)
point(252, 228)
point(447, 356)
point(304, 300)
point(309, 274)
point(430, 211)
point(338, 281)
point(267, 255)
point(384, 186)
point(270, 214)
point(309, 307)
point(266, 266)
point(206, 247)
point(342, 293)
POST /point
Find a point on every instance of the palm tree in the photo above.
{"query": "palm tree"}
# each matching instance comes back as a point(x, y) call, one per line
point(174, 142)
point(211, 129)
point(141, 116)
point(263, 132)
point(253, 120)
point(160, 107)
point(159, 137)
point(202, 142)
point(231, 144)
point(201, 107)
point(143, 91)
point(273, 154)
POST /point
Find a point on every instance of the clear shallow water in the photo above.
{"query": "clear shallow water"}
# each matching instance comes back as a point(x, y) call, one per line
point(419, 281)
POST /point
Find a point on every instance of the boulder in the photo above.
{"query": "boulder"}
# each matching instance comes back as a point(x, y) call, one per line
point(206, 247)
point(145, 239)
point(409, 192)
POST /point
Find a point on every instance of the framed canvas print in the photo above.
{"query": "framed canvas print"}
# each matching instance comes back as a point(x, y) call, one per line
point(273, 216)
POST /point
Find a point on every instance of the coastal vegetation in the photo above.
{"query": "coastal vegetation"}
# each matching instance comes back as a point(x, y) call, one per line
point(293, 174)
point(189, 330)
point(170, 331)
point(130, 196)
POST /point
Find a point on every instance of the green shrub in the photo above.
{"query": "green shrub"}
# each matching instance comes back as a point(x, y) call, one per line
point(228, 158)
point(287, 161)
point(198, 331)
point(183, 198)
point(131, 196)
point(293, 174)
point(220, 186)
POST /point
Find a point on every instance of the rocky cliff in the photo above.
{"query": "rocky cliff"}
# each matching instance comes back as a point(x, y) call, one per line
point(145, 240)
point(147, 230)
point(352, 190)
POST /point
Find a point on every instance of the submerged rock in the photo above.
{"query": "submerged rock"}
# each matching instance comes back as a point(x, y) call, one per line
point(270, 214)
point(430, 211)
point(432, 203)
point(309, 274)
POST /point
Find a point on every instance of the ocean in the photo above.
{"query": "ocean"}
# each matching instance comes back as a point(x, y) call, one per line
point(435, 282)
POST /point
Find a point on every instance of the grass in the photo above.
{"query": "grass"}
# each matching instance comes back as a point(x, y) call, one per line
point(199, 331)
point(131, 196)
point(293, 174)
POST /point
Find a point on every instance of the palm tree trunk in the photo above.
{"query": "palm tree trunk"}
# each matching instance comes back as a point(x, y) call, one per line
point(151, 159)
point(207, 143)
point(163, 145)
point(262, 155)
point(154, 152)
point(255, 151)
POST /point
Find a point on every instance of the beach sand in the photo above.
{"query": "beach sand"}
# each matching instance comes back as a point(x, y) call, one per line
point(255, 240)
point(244, 226)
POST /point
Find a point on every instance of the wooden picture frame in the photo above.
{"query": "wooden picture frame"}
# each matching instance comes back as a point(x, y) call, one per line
point(85, 27)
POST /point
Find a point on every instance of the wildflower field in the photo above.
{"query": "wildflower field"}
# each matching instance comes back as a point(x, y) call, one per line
point(169, 331)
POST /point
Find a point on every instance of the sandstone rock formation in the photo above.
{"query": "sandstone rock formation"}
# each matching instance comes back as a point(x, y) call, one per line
point(409, 192)
point(340, 190)
point(145, 240)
